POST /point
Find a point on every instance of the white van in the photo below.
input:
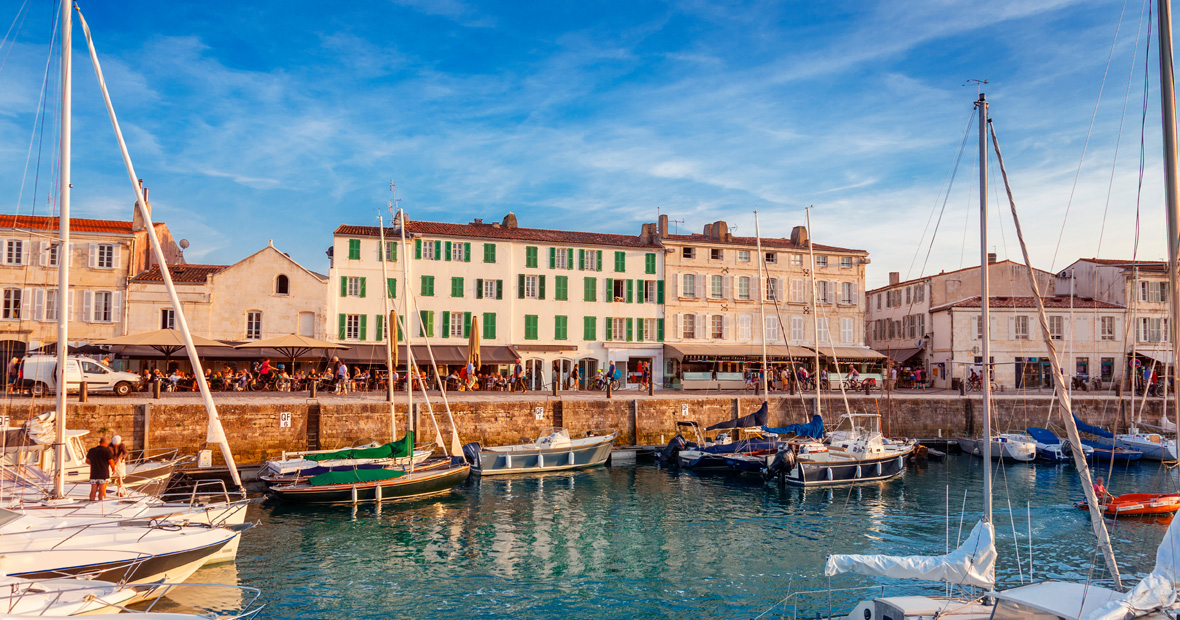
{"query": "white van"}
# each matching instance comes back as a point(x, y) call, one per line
point(39, 373)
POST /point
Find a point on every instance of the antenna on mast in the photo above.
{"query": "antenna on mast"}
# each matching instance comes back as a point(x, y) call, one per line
point(978, 85)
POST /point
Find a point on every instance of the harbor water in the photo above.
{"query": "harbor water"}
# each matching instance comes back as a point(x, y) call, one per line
point(646, 542)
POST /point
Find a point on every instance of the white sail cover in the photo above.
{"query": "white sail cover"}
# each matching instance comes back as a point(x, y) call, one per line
point(1157, 591)
point(41, 428)
point(972, 564)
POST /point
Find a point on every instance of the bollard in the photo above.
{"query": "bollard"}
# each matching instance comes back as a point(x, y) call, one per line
point(311, 385)
point(156, 389)
point(554, 384)
point(868, 389)
point(651, 387)
point(83, 393)
point(609, 389)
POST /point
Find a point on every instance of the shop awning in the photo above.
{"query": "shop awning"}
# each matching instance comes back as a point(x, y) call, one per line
point(850, 353)
point(901, 355)
point(140, 352)
point(1163, 357)
point(732, 352)
point(449, 355)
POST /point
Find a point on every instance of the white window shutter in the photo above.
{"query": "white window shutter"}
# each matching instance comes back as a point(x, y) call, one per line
point(92, 257)
point(676, 335)
point(43, 253)
point(88, 304)
point(700, 285)
point(754, 288)
point(115, 252)
point(855, 296)
point(26, 303)
point(698, 327)
point(727, 287)
point(69, 305)
point(116, 306)
point(68, 255)
point(3, 251)
point(39, 304)
point(725, 327)
point(672, 286)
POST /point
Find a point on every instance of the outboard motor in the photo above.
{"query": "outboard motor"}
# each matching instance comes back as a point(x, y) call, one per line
point(783, 462)
point(471, 454)
point(670, 451)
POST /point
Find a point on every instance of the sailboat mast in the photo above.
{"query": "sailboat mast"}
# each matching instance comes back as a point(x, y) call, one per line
point(401, 219)
point(984, 316)
point(814, 312)
point(63, 259)
point(762, 282)
point(383, 254)
point(1171, 178)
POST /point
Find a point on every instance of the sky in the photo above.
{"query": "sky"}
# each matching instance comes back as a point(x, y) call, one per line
point(280, 121)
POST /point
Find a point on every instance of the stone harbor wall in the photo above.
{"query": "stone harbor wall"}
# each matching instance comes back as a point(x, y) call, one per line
point(261, 431)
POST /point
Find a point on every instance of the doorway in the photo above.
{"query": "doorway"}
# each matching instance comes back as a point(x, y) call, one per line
point(535, 371)
point(587, 367)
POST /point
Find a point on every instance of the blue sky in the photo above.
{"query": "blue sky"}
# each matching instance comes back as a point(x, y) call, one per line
point(282, 120)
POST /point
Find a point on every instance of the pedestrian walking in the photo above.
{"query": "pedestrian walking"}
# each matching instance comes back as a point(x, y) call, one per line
point(101, 461)
point(119, 456)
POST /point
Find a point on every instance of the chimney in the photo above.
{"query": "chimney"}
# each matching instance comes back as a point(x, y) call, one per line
point(894, 276)
point(645, 232)
point(478, 221)
point(663, 226)
point(509, 221)
point(708, 231)
point(137, 221)
point(991, 258)
point(720, 230)
point(799, 236)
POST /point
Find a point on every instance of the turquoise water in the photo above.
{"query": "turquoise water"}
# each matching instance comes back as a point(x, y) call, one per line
point(645, 542)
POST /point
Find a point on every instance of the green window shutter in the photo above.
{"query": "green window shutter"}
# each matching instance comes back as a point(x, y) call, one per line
point(354, 249)
point(561, 288)
point(530, 327)
point(569, 258)
point(620, 262)
point(447, 251)
point(401, 335)
point(418, 248)
point(466, 324)
point(380, 327)
point(660, 330)
point(650, 262)
point(559, 328)
point(630, 291)
point(598, 262)
point(609, 289)
point(581, 259)
point(659, 291)
point(446, 325)
point(530, 257)
point(630, 326)
point(590, 289)
point(499, 289)
point(392, 251)
point(639, 291)
point(588, 328)
point(391, 288)
point(609, 327)
point(639, 329)
point(427, 318)
point(344, 286)
point(363, 290)
point(340, 335)
point(489, 252)
point(552, 257)
point(479, 288)
point(456, 287)
point(540, 287)
point(489, 326)
point(364, 326)
point(466, 251)
point(520, 287)
point(438, 250)
point(427, 286)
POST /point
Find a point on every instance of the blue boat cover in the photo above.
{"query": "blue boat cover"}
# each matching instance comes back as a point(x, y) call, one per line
point(1093, 430)
point(1043, 435)
point(814, 428)
point(754, 420)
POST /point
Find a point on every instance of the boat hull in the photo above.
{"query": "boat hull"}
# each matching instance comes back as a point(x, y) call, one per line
point(409, 486)
point(1152, 451)
point(1008, 451)
point(1139, 505)
point(817, 473)
point(494, 462)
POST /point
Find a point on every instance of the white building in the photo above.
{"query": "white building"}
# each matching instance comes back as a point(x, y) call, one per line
point(555, 298)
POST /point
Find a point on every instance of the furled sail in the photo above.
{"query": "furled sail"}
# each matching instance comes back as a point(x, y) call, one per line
point(754, 420)
point(972, 564)
point(814, 428)
point(395, 449)
point(1157, 591)
point(1093, 430)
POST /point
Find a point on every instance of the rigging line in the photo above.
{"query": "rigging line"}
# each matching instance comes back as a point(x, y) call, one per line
point(38, 117)
point(967, 215)
point(951, 175)
point(1119, 139)
point(1089, 132)
point(18, 29)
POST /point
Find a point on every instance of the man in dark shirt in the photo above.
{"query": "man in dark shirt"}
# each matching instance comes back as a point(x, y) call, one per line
point(101, 461)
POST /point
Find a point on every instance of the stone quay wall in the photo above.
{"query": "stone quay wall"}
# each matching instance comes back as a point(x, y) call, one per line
point(261, 431)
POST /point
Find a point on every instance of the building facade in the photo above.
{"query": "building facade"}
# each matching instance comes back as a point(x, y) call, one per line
point(714, 298)
point(558, 299)
point(103, 255)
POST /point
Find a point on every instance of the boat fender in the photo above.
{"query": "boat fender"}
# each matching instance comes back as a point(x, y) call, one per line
point(540, 460)
point(901, 462)
point(858, 471)
point(878, 468)
point(471, 453)
point(830, 472)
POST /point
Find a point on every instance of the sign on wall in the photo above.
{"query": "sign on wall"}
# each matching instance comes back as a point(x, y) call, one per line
point(684, 410)
point(285, 419)
point(539, 412)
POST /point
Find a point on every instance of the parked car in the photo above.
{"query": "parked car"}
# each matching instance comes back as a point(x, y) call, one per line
point(39, 375)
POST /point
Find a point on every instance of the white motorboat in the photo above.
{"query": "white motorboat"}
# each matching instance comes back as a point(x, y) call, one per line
point(60, 597)
point(1005, 446)
point(1154, 446)
point(553, 450)
point(185, 601)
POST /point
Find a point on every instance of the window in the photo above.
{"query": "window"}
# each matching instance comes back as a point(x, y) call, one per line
point(530, 257)
point(352, 287)
point(771, 329)
point(428, 286)
point(51, 305)
point(456, 324)
point(1153, 330)
point(743, 256)
point(1082, 366)
point(14, 252)
point(821, 261)
point(1107, 368)
point(589, 328)
point(823, 292)
point(104, 256)
point(167, 317)
point(1056, 327)
point(716, 285)
point(354, 249)
point(352, 327)
point(253, 325)
point(561, 288)
point(690, 286)
point(879, 301)
point(590, 289)
point(618, 329)
point(846, 262)
point(688, 253)
point(390, 251)
point(457, 253)
point(772, 289)
point(560, 328)
point(282, 285)
point(846, 331)
point(797, 328)
point(490, 289)
point(489, 326)
point(530, 287)
point(650, 330)
point(591, 260)
point(103, 308)
point(716, 254)
point(909, 295)
point(745, 327)
point(560, 257)
point(489, 252)
point(651, 291)
point(690, 326)
point(797, 260)
point(744, 287)
point(12, 301)
point(649, 263)
point(920, 292)
point(620, 262)
point(848, 293)
point(824, 334)
point(771, 257)
point(51, 255)
point(978, 322)
point(717, 327)
point(1021, 328)
point(1108, 328)
point(618, 289)
point(1153, 292)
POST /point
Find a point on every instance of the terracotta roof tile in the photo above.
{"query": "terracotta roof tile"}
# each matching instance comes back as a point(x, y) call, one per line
point(489, 231)
point(35, 222)
point(770, 242)
point(1145, 265)
point(943, 273)
point(1060, 302)
point(180, 273)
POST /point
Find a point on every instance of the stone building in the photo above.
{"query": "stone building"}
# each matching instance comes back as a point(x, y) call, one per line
point(102, 255)
point(714, 295)
point(556, 298)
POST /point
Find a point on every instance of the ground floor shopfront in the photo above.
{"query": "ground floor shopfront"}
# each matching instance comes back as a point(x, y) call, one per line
point(728, 367)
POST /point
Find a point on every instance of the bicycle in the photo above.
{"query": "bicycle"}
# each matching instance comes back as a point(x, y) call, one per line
point(853, 384)
point(975, 384)
point(602, 384)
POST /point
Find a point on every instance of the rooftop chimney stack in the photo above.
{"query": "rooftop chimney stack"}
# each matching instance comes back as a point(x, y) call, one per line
point(509, 221)
point(894, 277)
point(663, 226)
point(991, 258)
point(137, 221)
point(799, 236)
